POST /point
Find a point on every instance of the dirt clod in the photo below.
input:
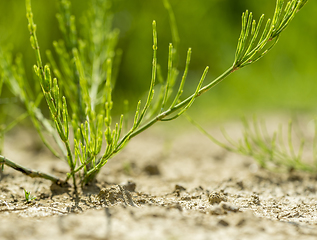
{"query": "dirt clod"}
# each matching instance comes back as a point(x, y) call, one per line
point(255, 199)
point(223, 223)
point(240, 184)
point(152, 169)
point(114, 195)
point(228, 207)
point(217, 197)
point(179, 188)
point(129, 186)
point(216, 210)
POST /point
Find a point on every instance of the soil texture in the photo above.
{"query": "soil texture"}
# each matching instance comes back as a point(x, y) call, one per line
point(163, 185)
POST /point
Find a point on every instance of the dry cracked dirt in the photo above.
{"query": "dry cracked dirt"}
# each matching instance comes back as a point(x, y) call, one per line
point(166, 184)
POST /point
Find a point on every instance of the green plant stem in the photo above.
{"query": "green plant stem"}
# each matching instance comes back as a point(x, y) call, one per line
point(207, 134)
point(33, 173)
point(160, 117)
point(46, 92)
point(181, 104)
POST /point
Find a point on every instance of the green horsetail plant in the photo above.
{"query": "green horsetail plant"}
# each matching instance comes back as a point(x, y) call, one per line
point(270, 151)
point(77, 85)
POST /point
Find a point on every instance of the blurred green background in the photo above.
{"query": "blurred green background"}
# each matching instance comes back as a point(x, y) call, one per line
point(284, 80)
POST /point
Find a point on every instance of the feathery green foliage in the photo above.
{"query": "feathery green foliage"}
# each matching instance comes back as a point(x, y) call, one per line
point(274, 151)
point(268, 151)
point(248, 51)
point(77, 85)
point(85, 69)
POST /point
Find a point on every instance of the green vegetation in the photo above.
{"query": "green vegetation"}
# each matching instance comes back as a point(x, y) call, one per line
point(77, 84)
point(274, 151)
point(210, 28)
point(28, 197)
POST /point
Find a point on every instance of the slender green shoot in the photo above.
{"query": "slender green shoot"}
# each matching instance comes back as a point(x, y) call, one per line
point(28, 197)
point(269, 150)
point(248, 51)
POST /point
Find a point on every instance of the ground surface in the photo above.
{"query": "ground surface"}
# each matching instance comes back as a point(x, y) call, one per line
point(162, 186)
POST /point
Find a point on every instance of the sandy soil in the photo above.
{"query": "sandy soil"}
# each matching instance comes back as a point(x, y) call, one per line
point(162, 186)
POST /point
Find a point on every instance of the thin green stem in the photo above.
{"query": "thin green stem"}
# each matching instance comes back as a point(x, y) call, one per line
point(153, 78)
point(181, 86)
point(32, 173)
point(181, 104)
point(192, 100)
point(46, 86)
point(207, 134)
